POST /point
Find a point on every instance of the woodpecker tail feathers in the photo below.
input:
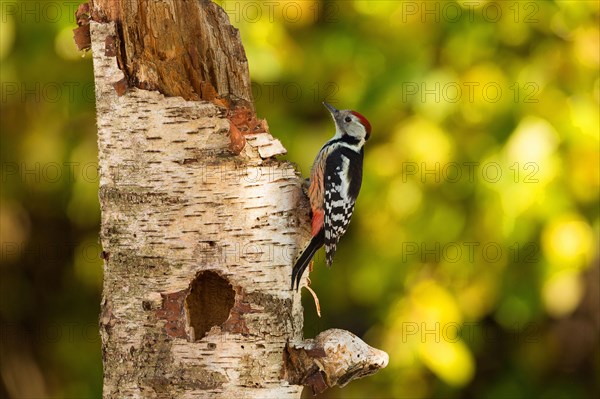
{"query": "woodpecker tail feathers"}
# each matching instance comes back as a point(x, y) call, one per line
point(306, 256)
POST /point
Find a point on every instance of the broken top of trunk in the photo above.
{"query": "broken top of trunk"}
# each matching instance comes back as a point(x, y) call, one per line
point(180, 48)
point(187, 49)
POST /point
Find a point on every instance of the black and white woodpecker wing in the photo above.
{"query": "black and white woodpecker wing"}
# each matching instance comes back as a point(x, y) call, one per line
point(343, 177)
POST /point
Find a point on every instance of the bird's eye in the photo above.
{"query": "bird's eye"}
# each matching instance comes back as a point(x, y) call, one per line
point(348, 119)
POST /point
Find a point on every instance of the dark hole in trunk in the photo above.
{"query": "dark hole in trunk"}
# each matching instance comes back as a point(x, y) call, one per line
point(209, 302)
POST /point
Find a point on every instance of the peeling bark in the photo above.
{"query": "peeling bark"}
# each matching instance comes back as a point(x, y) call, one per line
point(200, 224)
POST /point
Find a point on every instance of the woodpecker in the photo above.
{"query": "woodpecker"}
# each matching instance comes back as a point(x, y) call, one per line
point(335, 181)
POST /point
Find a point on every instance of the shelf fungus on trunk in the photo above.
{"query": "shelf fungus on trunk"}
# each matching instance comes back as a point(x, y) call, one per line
point(334, 357)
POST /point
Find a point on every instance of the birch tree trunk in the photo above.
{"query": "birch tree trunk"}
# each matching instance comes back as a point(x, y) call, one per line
point(200, 224)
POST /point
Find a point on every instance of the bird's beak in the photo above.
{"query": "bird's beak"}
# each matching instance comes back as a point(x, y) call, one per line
point(331, 109)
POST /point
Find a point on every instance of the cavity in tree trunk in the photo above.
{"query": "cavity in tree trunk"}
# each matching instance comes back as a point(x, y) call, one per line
point(200, 223)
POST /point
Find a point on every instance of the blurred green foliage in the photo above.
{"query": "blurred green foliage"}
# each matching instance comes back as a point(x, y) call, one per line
point(472, 258)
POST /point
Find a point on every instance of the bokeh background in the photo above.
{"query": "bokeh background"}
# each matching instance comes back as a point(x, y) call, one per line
point(472, 258)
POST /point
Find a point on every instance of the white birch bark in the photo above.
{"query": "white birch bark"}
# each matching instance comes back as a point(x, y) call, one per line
point(175, 202)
